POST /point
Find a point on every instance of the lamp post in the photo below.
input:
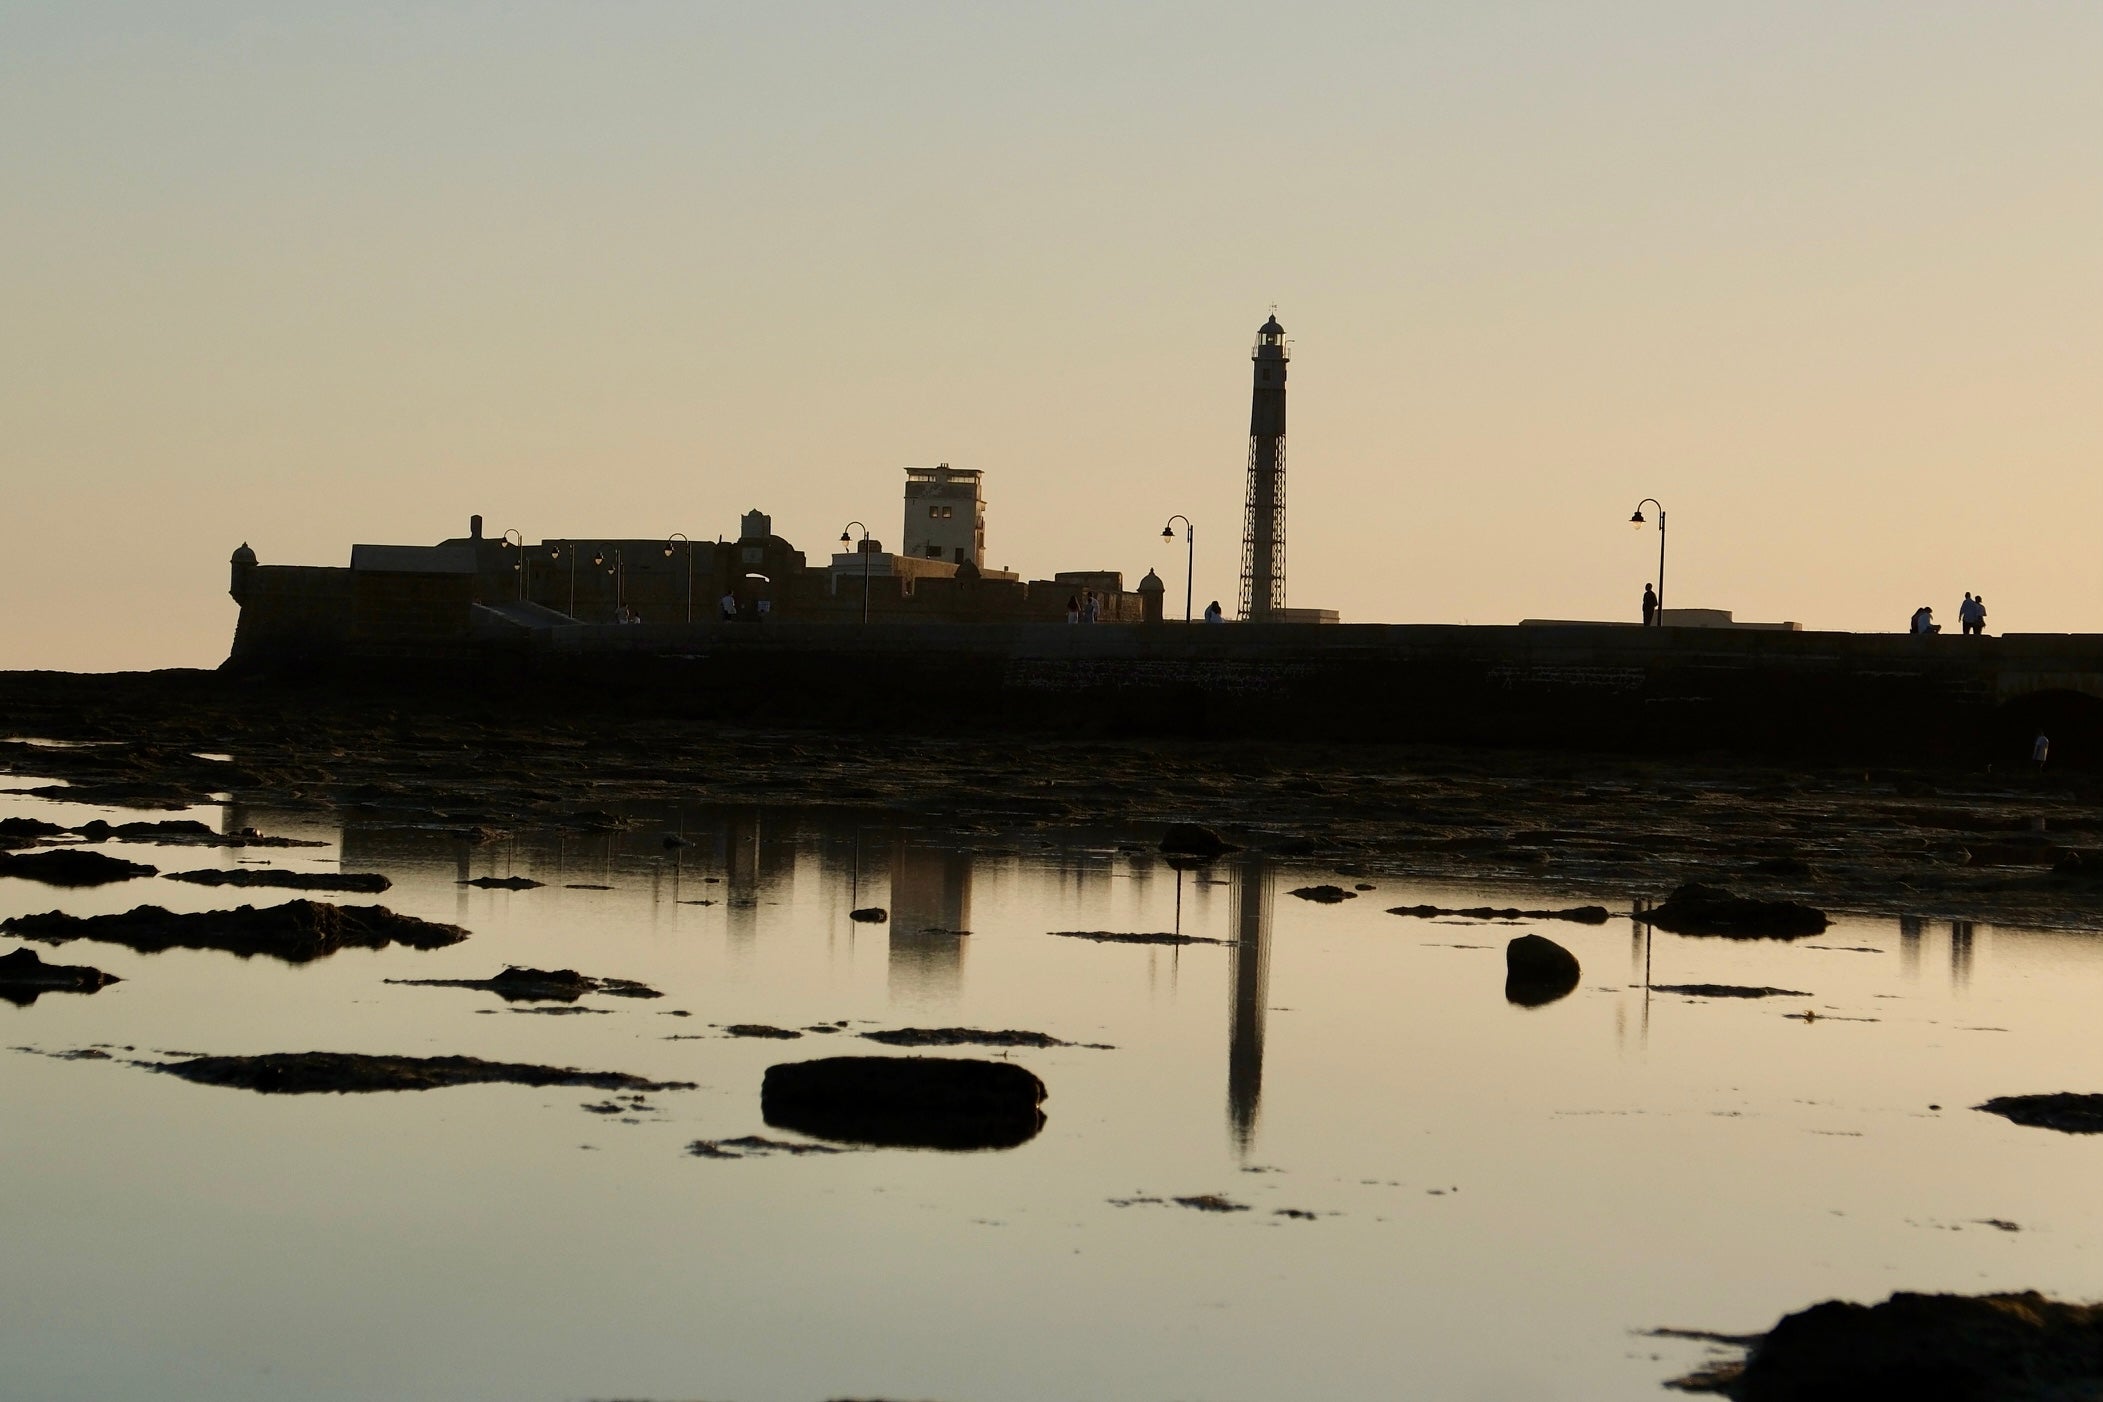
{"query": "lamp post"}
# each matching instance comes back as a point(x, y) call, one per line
point(844, 538)
point(555, 553)
point(518, 566)
point(1190, 554)
point(682, 535)
point(1636, 520)
point(599, 558)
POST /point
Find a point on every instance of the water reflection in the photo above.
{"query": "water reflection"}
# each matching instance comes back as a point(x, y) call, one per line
point(1248, 978)
point(930, 918)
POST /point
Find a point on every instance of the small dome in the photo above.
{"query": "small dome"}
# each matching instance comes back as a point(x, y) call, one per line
point(1271, 328)
point(1151, 584)
point(967, 570)
point(243, 556)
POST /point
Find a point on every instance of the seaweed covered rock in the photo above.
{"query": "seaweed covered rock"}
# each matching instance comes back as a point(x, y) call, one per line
point(1194, 840)
point(296, 931)
point(310, 1073)
point(71, 866)
point(1698, 909)
point(906, 1101)
point(24, 977)
point(523, 985)
point(1537, 970)
point(1924, 1348)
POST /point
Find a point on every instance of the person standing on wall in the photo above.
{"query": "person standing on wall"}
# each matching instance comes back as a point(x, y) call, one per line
point(1650, 607)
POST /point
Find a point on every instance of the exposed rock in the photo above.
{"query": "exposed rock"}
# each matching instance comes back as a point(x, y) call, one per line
point(1726, 990)
point(504, 883)
point(1923, 1348)
point(906, 1101)
point(870, 915)
point(1582, 914)
point(760, 1029)
point(295, 932)
point(306, 1073)
point(71, 866)
point(2066, 1111)
point(184, 832)
point(1537, 970)
point(24, 976)
point(519, 985)
point(1697, 909)
point(1324, 894)
point(125, 794)
point(1117, 937)
point(1194, 840)
point(751, 1146)
point(366, 882)
point(961, 1037)
point(1212, 1202)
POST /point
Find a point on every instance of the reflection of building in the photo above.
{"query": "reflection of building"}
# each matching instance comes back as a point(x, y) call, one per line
point(1249, 976)
point(930, 918)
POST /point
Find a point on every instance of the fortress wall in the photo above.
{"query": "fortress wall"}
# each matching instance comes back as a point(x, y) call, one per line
point(293, 612)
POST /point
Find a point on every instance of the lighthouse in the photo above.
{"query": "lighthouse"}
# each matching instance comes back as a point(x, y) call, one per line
point(1263, 518)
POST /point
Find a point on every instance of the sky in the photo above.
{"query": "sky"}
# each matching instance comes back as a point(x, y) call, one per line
point(1825, 279)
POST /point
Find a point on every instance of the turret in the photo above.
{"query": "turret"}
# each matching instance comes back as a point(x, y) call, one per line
point(242, 563)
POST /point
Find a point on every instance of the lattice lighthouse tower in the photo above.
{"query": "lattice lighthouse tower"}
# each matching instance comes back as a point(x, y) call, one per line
point(1263, 520)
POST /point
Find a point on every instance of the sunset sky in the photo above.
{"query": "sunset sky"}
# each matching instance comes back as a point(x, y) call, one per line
point(1827, 279)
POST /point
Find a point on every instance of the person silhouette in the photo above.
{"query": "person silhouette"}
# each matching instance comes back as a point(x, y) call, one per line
point(1650, 607)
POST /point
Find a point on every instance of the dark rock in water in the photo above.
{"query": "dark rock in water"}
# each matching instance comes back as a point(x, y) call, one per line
point(365, 882)
point(71, 866)
point(1923, 1348)
point(504, 883)
point(749, 1146)
point(125, 794)
point(906, 1101)
point(1323, 895)
point(1143, 937)
point(1726, 990)
point(295, 931)
point(518, 985)
point(307, 1073)
point(1582, 914)
point(1696, 909)
point(961, 1037)
point(2066, 1111)
point(1194, 840)
point(31, 828)
point(1537, 971)
point(185, 832)
point(24, 976)
point(760, 1029)
point(870, 915)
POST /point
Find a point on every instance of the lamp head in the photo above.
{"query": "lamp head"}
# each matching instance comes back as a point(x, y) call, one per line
point(668, 552)
point(844, 538)
point(598, 557)
point(1167, 534)
point(1637, 519)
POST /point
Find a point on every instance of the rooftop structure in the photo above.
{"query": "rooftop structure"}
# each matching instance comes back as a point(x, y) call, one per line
point(945, 515)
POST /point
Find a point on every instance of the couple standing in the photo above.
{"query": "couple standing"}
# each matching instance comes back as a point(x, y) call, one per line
point(1972, 615)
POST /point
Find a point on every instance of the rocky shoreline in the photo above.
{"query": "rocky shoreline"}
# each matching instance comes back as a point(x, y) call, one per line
point(1949, 843)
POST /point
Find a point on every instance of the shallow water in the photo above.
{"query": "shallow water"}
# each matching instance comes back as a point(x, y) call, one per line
point(1503, 1196)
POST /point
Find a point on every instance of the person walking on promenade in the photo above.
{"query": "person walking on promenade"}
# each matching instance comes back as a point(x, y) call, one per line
point(2041, 750)
point(1967, 615)
point(1979, 615)
point(1650, 607)
point(1091, 607)
point(1073, 609)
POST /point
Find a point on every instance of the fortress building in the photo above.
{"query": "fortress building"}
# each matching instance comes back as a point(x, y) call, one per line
point(945, 515)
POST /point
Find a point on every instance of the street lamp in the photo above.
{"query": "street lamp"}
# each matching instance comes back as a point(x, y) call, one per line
point(519, 566)
point(1636, 520)
point(555, 553)
point(1190, 554)
point(599, 558)
point(844, 539)
point(681, 535)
